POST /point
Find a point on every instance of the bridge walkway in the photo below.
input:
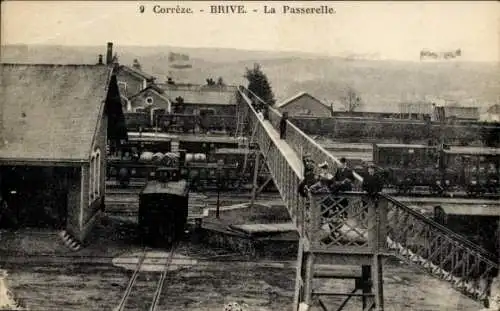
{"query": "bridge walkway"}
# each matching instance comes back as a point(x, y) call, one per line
point(353, 228)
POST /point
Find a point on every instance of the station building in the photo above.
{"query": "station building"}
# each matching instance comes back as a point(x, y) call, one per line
point(55, 122)
point(305, 105)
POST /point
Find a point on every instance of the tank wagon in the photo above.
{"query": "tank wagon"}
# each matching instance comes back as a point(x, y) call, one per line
point(223, 169)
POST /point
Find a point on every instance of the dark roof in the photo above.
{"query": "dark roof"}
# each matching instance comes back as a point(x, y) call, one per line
point(177, 188)
point(232, 151)
point(203, 96)
point(50, 112)
point(136, 72)
point(402, 146)
point(473, 150)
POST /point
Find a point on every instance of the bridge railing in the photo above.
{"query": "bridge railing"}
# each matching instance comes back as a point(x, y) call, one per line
point(301, 142)
point(410, 235)
point(346, 222)
point(285, 175)
point(438, 250)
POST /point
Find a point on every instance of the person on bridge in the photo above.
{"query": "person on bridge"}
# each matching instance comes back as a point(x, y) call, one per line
point(324, 180)
point(265, 112)
point(372, 183)
point(283, 121)
point(344, 176)
point(309, 177)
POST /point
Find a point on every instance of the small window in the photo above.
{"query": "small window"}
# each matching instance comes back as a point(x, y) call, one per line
point(95, 176)
point(97, 189)
point(91, 178)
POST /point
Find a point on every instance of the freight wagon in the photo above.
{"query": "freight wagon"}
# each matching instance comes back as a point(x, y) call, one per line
point(441, 169)
point(163, 208)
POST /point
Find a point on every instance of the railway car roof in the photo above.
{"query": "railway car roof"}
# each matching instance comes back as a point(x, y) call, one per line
point(173, 187)
point(233, 150)
point(159, 137)
point(402, 146)
point(473, 150)
point(465, 210)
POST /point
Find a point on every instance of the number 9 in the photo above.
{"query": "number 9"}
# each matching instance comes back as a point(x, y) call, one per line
point(141, 8)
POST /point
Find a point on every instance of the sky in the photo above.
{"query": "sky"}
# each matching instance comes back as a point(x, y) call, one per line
point(390, 30)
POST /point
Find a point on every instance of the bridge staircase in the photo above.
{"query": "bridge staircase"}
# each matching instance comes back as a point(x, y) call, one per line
point(352, 228)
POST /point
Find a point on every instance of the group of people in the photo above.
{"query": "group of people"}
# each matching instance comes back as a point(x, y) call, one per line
point(341, 181)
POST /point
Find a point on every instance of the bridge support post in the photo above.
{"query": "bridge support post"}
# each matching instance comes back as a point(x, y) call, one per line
point(366, 285)
point(299, 280)
point(377, 276)
point(330, 258)
point(379, 242)
point(309, 275)
point(255, 178)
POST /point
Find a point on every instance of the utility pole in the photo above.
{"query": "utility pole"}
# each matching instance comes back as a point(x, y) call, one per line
point(220, 165)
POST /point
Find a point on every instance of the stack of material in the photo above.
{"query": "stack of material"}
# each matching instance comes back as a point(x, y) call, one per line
point(146, 156)
point(7, 301)
point(495, 296)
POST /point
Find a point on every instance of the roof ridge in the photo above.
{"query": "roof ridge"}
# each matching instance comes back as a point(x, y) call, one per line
point(139, 72)
point(300, 94)
point(52, 65)
point(69, 97)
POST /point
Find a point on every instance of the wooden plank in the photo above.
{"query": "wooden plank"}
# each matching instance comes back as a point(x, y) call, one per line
point(440, 201)
point(285, 149)
point(265, 228)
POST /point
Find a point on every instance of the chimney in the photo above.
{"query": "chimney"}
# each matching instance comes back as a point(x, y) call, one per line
point(100, 60)
point(109, 54)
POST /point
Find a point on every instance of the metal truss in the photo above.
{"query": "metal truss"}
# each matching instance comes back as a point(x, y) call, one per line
point(356, 228)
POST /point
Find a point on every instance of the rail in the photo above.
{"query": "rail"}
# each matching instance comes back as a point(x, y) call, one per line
point(410, 235)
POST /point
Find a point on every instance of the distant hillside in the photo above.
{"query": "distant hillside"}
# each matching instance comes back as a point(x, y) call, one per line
point(381, 84)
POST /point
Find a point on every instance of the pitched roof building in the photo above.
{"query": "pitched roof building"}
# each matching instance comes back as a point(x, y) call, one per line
point(131, 80)
point(51, 112)
point(304, 104)
point(150, 96)
point(57, 119)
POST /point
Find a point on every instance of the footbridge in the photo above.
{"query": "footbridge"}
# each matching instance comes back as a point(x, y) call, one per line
point(355, 229)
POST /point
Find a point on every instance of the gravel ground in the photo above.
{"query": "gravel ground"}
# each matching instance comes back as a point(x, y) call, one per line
point(79, 286)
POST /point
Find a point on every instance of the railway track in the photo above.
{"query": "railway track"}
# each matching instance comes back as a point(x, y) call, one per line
point(110, 190)
point(210, 261)
point(135, 294)
point(211, 198)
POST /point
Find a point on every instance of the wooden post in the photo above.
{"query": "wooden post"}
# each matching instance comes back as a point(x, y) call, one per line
point(366, 285)
point(382, 224)
point(378, 279)
point(308, 278)
point(255, 175)
point(297, 298)
point(372, 225)
point(314, 219)
point(380, 211)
